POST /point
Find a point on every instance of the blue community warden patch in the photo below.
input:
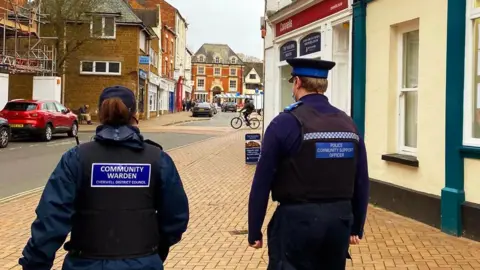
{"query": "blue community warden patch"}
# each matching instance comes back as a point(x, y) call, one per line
point(335, 149)
point(123, 175)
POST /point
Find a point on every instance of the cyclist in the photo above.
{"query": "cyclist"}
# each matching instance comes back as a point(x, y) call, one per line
point(247, 109)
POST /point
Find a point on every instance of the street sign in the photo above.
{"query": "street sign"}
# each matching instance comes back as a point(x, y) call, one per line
point(256, 90)
point(252, 148)
point(144, 60)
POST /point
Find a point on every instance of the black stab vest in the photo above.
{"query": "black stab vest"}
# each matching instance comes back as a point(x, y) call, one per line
point(324, 167)
point(116, 220)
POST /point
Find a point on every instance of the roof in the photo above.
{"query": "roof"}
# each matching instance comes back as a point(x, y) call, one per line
point(211, 50)
point(126, 14)
point(253, 65)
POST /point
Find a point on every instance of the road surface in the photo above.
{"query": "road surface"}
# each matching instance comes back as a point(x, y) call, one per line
point(27, 164)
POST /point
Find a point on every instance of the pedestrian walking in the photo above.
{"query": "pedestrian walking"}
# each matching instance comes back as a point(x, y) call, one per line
point(119, 195)
point(314, 163)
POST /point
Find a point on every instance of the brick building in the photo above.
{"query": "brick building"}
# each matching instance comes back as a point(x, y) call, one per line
point(216, 69)
point(113, 57)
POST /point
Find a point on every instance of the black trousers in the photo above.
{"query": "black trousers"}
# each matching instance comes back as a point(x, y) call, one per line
point(310, 236)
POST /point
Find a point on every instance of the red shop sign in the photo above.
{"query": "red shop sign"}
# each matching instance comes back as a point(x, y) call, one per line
point(312, 14)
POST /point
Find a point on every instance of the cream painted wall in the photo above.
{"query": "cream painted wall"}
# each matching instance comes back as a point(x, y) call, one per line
point(382, 92)
point(472, 184)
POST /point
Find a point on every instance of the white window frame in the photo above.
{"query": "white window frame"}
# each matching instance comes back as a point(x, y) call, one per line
point(201, 58)
point(234, 73)
point(470, 66)
point(250, 76)
point(217, 60)
point(103, 28)
point(409, 27)
point(152, 101)
point(202, 97)
point(119, 73)
point(230, 85)
point(233, 60)
point(215, 71)
point(204, 82)
point(198, 70)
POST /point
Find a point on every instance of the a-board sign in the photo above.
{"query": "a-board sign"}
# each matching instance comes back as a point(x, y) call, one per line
point(252, 148)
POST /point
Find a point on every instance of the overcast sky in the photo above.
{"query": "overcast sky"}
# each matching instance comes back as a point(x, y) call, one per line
point(232, 22)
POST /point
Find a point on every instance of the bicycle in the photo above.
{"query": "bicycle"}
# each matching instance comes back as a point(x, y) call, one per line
point(237, 122)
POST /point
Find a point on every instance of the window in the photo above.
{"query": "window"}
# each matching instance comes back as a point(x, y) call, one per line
point(233, 60)
point(201, 97)
point(152, 101)
point(60, 107)
point(200, 84)
point(218, 71)
point(253, 76)
point(472, 85)
point(408, 92)
point(233, 85)
point(143, 41)
point(51, 107)
point(217, 60)
point(100, 68)
point(233, 72)
point(103, 27)
point(201, 71)
point(201, 58)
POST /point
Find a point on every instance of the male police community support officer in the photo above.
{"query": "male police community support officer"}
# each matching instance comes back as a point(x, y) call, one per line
point(315, 164)
point(120, 196)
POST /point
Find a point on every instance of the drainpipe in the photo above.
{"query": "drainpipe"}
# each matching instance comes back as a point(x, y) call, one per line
point(359, 66)
point(453, 195)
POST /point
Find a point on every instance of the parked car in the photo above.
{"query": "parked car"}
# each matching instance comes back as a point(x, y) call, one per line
point(4, 133)
point(39, 118)
point(203, 108)
point(214, 108)
point(229, 107)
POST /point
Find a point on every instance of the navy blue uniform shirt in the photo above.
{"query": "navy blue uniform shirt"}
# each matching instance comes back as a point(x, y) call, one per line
point(282, 139)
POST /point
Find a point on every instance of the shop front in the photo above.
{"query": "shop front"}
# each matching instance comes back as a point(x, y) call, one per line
point(321, 30)
point(153, 94)
point(163, 96)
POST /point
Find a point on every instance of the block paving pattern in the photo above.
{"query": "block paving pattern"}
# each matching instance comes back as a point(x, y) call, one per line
point(218, 183)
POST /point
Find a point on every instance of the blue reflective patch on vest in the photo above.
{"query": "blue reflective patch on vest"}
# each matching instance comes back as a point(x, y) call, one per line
point(292, 106)
point(335, 150)
point(120, 175)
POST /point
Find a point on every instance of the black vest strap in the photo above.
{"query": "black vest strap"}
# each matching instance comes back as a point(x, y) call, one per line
point(324, 167)
point(116, 205)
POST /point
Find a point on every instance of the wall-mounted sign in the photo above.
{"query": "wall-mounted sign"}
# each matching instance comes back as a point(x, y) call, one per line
point(142, 74)
point(312, 14)
point(310, 44)
point(288, 50)
point(144, 60)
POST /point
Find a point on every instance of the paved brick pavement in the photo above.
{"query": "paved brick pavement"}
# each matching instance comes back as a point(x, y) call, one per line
point(217, 183)
point(163, 120)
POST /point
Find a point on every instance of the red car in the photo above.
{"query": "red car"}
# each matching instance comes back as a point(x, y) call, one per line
point(41, 118)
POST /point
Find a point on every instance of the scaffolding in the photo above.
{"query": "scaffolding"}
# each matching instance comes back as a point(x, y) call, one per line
point(23, 50)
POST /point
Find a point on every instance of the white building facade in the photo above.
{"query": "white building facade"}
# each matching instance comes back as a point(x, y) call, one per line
point(188, 83)
point(181, 28)
point(306, 29)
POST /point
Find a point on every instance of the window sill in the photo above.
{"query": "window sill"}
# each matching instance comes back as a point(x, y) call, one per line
point(100, 74)
point(470, 152)
point(403, 159)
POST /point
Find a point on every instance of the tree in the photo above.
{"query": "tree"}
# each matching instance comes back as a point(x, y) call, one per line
point(69, 22)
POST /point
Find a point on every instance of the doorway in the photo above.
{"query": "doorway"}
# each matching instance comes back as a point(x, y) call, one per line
point(216, 91)
point(340, 90)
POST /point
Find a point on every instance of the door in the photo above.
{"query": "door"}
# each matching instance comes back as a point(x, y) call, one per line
point(341, 95)
point(171, 101)
point(64, 119)
point(53, 115)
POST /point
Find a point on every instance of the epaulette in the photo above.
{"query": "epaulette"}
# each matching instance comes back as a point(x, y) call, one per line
point(148, 141)
point(292, 106)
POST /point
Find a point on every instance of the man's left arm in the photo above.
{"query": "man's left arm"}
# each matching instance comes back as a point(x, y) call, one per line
point(54, 214)
point(361, 192)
